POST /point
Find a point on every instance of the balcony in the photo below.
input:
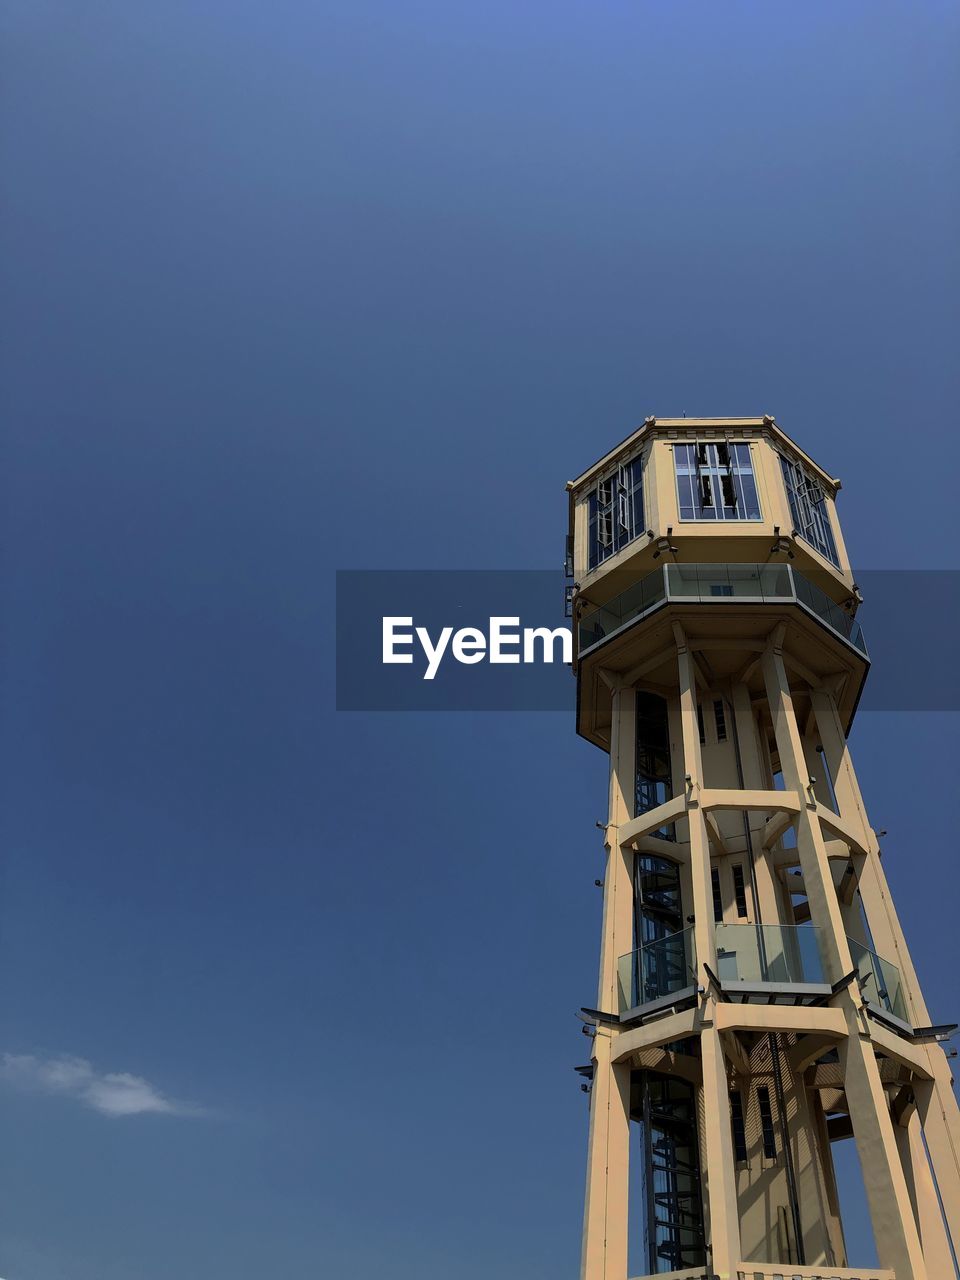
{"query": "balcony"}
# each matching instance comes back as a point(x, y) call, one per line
point(770, 962)
point(717, 584)
point(880, 983)
point(787, 1271)
point(661, 972)
point(779, 1271)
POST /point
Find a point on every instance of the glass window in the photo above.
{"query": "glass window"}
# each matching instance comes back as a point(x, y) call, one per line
point(654, 782)
point(658, 911)
point(766, 1123)
point(661, 959)
point(721, 720)
point(616, 511)
point(717, 897)
point(808, 509)
point(739, 1128)
point(739, 891)
point(716, 482)
point(666, 1108)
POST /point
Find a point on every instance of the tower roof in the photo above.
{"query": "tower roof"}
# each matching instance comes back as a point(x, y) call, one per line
point(765, 423)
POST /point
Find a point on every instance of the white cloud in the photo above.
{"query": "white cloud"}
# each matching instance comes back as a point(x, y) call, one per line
point(112, 1093)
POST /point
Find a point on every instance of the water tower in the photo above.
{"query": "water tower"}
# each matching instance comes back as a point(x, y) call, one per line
point(757, 1003)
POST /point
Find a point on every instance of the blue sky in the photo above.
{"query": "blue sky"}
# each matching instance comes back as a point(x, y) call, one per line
point(296, 287)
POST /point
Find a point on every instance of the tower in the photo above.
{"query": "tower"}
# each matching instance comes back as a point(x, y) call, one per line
point(757, 1002)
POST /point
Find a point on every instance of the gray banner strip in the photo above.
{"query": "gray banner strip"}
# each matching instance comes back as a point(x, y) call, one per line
point(910, 618)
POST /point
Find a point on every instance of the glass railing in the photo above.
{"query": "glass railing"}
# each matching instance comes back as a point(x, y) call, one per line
point(755, 583)
point(729, 581)
point(628, 605)
point(880, 982)
point(774, 953)
point(828, 611)
point(657, 969)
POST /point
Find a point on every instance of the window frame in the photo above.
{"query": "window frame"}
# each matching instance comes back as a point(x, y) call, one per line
point(716, 890)
point(740, 892)
point(653, 758)
point(613, 518)
point(716, 471)
point(818, 510)
point(738, 1127)
point(767, 1128)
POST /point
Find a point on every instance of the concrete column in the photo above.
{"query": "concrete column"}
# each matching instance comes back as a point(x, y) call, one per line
point(706, 945)
point(605, 1215)
point(718, 1169)
point(617, 930)
point(937, 1102)
point(821, 893)
point(894, 1228)
point(885, 930)
point(938, 1108)
point(940, 1121)
point(825, 1158)
point(754, 778)
point(923, 1197)
point(845, 786)
point(605, 1220)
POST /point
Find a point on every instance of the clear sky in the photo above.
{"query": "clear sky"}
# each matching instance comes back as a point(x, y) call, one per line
point(293, 287)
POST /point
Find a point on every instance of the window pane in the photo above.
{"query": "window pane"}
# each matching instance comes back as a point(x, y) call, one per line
point(809, 509)
point(616, 511)
point(750, 502)
point(715, 482)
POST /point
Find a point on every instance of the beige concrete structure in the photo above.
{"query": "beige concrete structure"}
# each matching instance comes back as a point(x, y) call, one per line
point(756, 1000)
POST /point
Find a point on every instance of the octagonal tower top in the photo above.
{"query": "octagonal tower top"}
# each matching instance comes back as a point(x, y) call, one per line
point(723, 523)
point(705, 490)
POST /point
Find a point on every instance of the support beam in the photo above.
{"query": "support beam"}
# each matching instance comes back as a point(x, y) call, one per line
point(777, 825)
point(662, 816)
point(644, 668)
point(605, 1228)
point(754, 779)
point(808, 1048)
point(718, 1165)
point(801, 1019)
point(737, 643)
point(605, 1225)
point(714, 835)
point(923, 1196)
point(723, 1214)
point(937, 1103)
point(733, 1048)
point(732, 798)
point(938, 1121)
point(803, 672)
point(894, 1228)
point(660, 1031)
point(618, 878)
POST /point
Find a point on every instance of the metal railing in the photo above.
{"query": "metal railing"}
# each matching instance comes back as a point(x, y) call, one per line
point(717, 584)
